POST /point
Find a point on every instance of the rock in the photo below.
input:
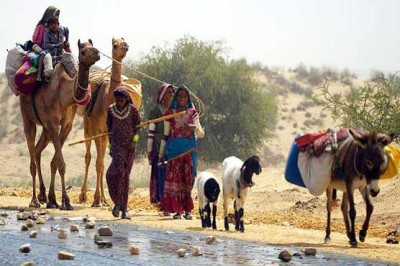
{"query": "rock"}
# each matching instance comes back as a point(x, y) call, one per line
point(309, 251)
point(296, 254)
point(90, 225)
point(28, 263)
point(2, 222)
point(42, 212)
point(33, 234)
point(285, 256)
point(85, 219)
point(286, 224)
point(40, 220)
point(62, 234)
point(63, 255)
point(29, 223)
point(4, 214)
point(196, 251)
point(23, 216)
point(134, 250)
point(97, 238)
point(74, 228)
point(105, 231)
point(24, 227)
point(181, 252)
point(104, 244)
point(25, 248)
point(210, 239)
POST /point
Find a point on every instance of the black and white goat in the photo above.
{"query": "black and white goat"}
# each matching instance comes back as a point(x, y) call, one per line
point(207, 192)
point(236, 180)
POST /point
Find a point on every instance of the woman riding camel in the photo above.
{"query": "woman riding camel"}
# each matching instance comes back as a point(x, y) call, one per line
point(180, 151)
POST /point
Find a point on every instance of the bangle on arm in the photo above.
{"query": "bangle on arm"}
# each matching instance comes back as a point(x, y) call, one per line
point(135, 138)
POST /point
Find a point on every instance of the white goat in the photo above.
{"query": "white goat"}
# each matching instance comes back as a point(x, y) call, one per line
point(207, 192)
point(236, 180)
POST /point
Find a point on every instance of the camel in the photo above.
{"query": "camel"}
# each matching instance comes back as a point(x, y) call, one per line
point(53, 106)
point(95, 123)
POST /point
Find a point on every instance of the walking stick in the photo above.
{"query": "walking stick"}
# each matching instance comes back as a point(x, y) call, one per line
point(143, 124)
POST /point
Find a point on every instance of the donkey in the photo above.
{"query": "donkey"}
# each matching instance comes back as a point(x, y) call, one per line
point(360, 166)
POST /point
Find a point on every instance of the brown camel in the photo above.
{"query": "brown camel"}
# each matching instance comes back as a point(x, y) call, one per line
point(95, 122)
point(53, 106)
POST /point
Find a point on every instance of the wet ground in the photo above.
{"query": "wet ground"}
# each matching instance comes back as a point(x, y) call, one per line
point(157, 247)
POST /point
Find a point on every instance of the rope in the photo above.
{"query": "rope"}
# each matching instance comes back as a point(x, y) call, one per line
point(201, 106)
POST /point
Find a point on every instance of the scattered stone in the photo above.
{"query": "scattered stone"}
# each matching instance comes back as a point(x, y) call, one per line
point(33, 234)
point(196, 251)
point(181, 252)
point(23, 216)
point(62, 234)
point(105, 231)
point(42, 212)
point(63, 255)
point(285, 256)
point(85, 219)
point(309, 251)
point(134, 250)
point(2, 222)
point(74, 228)
point(24, 227)
point(104, 244)
point(286, 224)
point(90, 225)
point(40, 220)
point(4, 214)
point(210, 239)
point(296, 254)
point(29, 223)
point(25, 248)
point(28, 263)
point(34, 215)
point(21, 209)
point(97, 238)
point(392, 237)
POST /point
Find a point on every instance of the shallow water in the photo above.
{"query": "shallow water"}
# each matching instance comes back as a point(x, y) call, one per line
point(157, 247)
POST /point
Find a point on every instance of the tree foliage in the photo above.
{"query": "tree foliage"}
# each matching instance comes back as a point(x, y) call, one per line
point(239, 113)
point(373, 106)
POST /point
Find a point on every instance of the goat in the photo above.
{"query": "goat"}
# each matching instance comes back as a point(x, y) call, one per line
point(208, 191)
point(360, 168)
point(236, 179)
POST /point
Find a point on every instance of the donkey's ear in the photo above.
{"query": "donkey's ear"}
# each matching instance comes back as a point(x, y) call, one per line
point(113, 40)
point(79, 43)
point(90, 41)
point(386, 139)
point(358, 136)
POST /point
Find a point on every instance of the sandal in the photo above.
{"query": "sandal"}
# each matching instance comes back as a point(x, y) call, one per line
point(188, 216)
point(177, 216)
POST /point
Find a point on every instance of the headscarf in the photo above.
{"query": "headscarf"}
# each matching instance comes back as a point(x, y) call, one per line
point(122, 91)
point(174, 103)
point(50, 11)
point(162, 89)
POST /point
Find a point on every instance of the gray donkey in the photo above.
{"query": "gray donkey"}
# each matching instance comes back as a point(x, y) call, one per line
point(360, 162)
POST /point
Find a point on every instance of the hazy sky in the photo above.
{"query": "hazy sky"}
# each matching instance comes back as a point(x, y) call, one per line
point(359, 34)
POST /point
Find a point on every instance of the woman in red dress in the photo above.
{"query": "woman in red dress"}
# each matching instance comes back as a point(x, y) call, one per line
point(180, 150)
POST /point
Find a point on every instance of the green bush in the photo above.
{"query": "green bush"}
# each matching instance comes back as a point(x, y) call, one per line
point(239, 114)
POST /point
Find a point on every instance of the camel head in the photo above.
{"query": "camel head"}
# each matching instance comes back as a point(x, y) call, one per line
point(88, 55)
point(119, 49)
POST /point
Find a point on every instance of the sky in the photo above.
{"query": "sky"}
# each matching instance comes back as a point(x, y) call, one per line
point(362, 35)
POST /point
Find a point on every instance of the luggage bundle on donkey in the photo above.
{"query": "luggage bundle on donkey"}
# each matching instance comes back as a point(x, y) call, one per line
point(313, 158)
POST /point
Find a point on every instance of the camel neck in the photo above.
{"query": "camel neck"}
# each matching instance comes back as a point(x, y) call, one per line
point(82, 82)
point(116, 71)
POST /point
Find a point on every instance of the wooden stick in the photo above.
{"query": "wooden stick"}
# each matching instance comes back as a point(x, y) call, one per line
point(143, 124)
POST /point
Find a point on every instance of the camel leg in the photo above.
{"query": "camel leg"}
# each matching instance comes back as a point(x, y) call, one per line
point(329, 199)
point(55, 138)
point(99, 171)
point(103, 153)
point(352, 212)
point(88, 157)
point(65, 130)
point(225, 205)
point(214, 211)
point(40, 146)
point(370, 209)
point(30, 134)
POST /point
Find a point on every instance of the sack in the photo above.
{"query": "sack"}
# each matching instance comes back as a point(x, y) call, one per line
point(292, 173)
point(25, 78)
point(13, 62)
point(315, 171)
point(393, 155)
